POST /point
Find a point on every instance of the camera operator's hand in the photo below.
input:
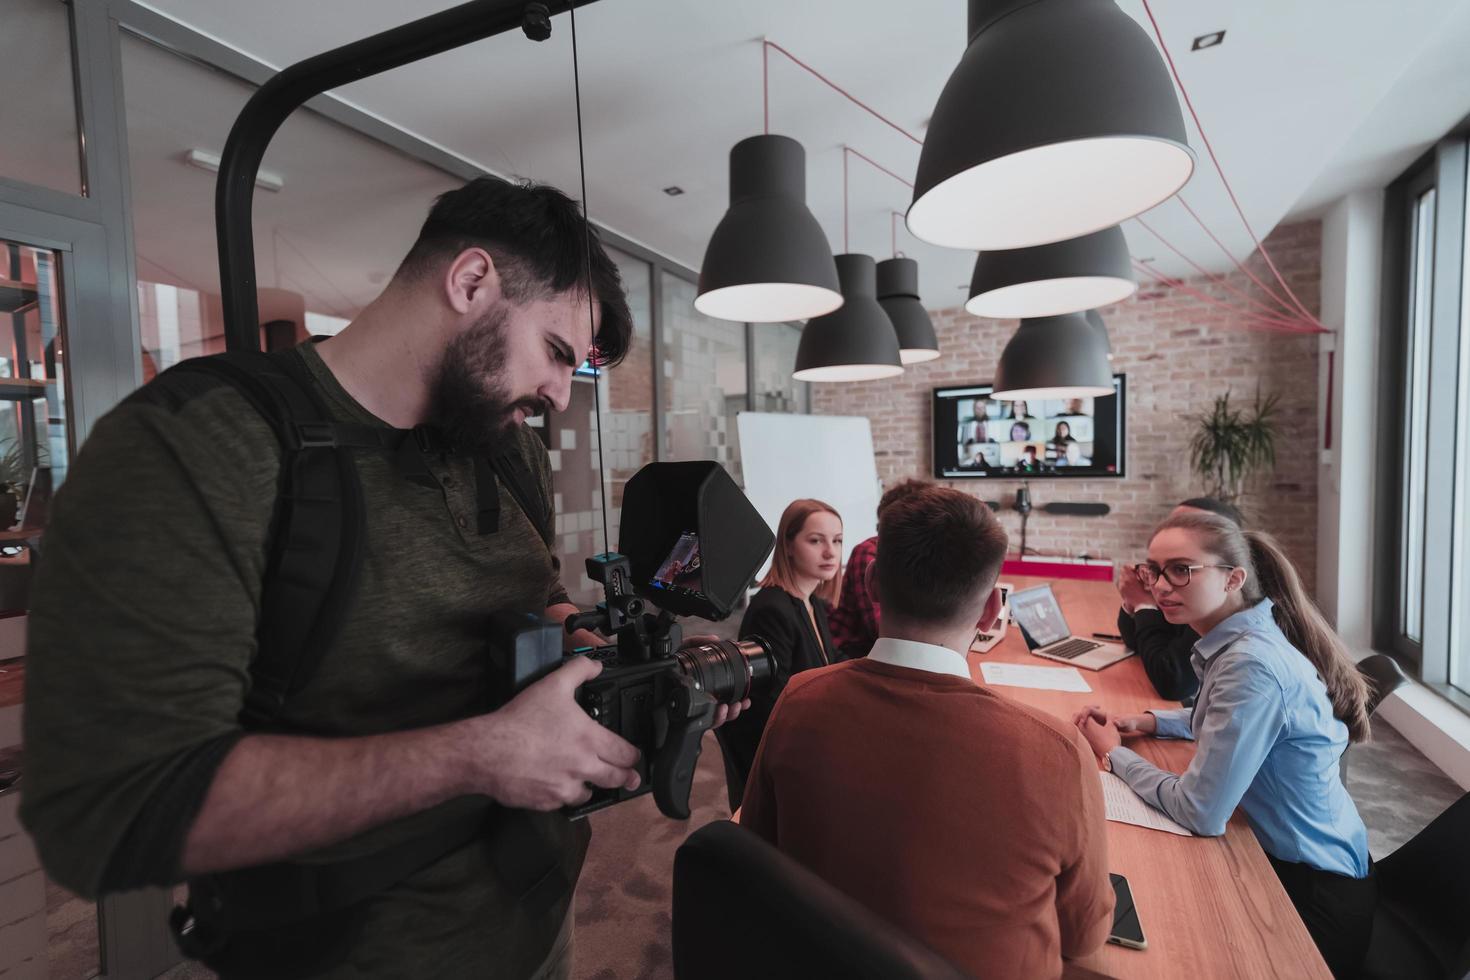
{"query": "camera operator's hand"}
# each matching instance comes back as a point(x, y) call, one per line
point(723, 712)
point(541, 750)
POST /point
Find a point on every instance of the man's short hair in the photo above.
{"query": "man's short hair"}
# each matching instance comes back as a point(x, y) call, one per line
point(1215, 505)
point(898, 491)
point(540, 243)
point(938, 551)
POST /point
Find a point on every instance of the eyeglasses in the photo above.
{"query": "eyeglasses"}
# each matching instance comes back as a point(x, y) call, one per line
point(1177, 573)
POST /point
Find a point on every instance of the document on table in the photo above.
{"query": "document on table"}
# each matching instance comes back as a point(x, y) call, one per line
point(1125, 806)
point(1039, 678)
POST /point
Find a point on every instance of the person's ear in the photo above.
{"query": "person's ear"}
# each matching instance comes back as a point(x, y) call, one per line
point(993, 604)
point(870, 580)
point(1236, 580)
point(471, 282)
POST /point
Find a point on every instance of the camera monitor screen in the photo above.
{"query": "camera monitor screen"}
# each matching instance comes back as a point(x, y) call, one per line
point(681, 571)
point(976, 436)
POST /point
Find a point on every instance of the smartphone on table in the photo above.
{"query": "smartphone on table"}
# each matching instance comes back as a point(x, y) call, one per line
point(1127, 931)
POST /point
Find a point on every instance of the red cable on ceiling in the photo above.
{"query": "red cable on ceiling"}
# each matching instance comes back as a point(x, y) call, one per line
point(1250, 318)
point(1222, 282)
point(1242, 267)
point(1221, 171)
point(766, 45)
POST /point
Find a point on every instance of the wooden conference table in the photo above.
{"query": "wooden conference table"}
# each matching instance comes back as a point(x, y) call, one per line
point(1210, 907)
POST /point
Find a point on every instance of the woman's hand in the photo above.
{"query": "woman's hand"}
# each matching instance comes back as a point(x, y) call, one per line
point(1131, 590)
point(1105, 732)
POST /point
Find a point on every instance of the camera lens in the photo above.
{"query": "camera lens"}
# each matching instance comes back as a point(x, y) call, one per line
point(728, 670)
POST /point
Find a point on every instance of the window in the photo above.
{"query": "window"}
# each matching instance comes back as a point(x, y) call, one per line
point(703, 379)
point(321, 252)
point(1422, 611)
point(1415, 435)
point(37, 80)
point(773, 347)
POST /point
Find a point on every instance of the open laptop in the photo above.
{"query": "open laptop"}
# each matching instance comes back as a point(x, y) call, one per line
point(1039, 615)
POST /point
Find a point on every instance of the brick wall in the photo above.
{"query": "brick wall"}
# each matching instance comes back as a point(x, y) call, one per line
point(1179, 353)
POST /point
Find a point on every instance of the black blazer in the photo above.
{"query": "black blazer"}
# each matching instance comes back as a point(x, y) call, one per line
point(780, 619)
point(1165, 650)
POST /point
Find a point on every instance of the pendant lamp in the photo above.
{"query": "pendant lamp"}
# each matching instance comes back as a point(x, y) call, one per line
point(1054, 357)
point(768, 260)
point(1060, 120)
point(855, 343)
point(1095, 318)
point(1045, 280)
point(898, 294)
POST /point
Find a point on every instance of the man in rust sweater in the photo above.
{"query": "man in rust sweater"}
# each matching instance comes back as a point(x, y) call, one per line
point(970, 821)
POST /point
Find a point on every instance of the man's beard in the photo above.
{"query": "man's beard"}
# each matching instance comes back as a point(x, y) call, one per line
point(471, 398)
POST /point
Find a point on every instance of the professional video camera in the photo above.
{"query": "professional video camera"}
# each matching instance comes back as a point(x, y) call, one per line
point(690, 543)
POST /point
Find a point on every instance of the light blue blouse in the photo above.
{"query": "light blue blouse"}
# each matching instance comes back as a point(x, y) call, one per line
point(1268, 742)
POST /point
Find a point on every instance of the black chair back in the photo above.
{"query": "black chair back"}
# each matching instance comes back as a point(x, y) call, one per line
point(1384, 677)
point(743, 909)
point(1422, 925)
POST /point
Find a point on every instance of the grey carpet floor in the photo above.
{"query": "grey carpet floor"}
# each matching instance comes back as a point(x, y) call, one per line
point(622, 908)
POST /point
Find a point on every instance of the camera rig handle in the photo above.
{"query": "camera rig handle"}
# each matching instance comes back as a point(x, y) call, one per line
point(691, 713)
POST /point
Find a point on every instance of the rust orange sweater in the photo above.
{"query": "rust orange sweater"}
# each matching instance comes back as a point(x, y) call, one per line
point(972, 822)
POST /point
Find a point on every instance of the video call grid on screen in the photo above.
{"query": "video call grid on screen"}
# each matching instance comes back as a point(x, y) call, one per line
point(976, 436)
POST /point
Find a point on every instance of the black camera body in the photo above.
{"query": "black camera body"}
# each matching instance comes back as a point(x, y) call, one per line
point(690, 543)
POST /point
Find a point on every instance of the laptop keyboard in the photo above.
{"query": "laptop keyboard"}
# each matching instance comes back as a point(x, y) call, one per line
point(1072, 648)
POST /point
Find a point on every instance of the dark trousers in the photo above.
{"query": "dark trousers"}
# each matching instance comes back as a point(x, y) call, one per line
point(1337, 911)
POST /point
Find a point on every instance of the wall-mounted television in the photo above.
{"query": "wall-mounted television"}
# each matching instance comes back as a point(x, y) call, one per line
point(979, 437)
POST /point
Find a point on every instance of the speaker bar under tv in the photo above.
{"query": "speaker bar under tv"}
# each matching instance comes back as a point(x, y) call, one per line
point(977, 437)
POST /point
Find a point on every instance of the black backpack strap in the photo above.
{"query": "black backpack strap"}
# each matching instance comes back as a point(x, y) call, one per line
point(317, 529)
point(516, 474)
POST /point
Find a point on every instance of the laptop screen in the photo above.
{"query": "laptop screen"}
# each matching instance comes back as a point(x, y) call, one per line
point(1040, 617)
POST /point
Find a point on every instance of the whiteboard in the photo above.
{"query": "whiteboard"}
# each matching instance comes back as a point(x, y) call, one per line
point(829, 457)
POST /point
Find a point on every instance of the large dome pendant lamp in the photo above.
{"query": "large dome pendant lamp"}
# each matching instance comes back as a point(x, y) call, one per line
point(855, 343)
point(1054, 357)
point(1059, 120)
point(768, 260)
point(1095, 318)
point(898, 294)
point(1046, 280)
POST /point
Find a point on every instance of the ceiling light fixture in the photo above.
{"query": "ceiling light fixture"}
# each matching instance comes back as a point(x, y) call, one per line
point(1095, 318)
point(204, 160)
point(855, 343)
point(898, 294)
point(1054, 357)
point(768, 260)
point(1045, 280)
point(1212, 40)
point(1090, 132)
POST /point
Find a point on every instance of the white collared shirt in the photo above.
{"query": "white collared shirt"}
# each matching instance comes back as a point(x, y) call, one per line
point(919, 656)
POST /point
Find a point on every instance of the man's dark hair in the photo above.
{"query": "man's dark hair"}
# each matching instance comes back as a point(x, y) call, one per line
point(938, 549)
point(899, 491)
point(1215, 506)
point(539, 241)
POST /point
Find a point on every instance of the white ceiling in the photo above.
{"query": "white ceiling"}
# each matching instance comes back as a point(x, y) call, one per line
point(1305, 100)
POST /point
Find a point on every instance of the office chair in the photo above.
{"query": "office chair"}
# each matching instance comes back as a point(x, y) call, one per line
point(1384, 676)
point(743, 909)
point(1421, 928)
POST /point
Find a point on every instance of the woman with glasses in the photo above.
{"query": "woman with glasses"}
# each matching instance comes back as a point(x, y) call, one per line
point(1279, 700)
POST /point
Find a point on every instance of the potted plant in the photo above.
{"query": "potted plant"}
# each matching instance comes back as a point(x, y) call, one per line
point(13, 479)
point(1232, 444)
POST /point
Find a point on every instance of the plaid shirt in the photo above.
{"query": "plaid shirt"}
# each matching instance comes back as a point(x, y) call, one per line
point(854, 623)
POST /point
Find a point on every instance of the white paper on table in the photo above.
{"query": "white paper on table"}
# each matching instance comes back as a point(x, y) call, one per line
point(1125, 806)
point(1038, 678)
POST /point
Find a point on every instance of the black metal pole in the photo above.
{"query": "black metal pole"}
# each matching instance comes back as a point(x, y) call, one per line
point(287, 91)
